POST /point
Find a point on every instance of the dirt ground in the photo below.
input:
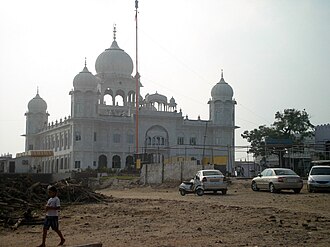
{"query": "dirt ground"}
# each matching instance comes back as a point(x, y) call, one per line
point(160, 216)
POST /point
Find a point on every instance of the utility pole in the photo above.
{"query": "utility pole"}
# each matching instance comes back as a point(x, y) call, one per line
point(137, 93)
point(204, 145)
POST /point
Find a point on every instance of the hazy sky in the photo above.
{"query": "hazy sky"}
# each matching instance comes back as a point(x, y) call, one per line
point(275, 54)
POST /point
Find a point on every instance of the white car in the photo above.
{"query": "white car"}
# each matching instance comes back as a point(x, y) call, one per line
point(212, 180)
point(318, 178)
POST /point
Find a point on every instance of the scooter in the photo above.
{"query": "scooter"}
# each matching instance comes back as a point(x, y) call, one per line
point(190, 187)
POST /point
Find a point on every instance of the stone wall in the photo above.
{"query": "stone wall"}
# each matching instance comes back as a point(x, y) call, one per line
point(161, 173)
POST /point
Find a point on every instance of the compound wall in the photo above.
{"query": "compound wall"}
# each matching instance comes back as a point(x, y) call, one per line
point(161, 173)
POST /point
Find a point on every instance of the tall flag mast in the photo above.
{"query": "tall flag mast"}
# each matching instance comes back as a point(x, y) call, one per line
point(137, 77)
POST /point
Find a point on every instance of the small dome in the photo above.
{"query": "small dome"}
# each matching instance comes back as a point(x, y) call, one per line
point(114, 60)
point(156, 98)
point(172, 102)
point(222, 90)
point(85, 81)
point(37, 105)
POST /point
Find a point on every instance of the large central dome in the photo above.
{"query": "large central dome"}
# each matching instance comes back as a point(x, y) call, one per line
point(114, 61)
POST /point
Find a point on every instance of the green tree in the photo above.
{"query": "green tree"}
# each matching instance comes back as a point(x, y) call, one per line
point(291, 125)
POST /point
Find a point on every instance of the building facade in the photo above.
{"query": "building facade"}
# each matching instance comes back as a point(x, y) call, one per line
point(101, 131)
point(322, 141)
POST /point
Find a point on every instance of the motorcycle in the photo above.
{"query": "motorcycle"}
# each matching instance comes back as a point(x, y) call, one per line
point(190, 187)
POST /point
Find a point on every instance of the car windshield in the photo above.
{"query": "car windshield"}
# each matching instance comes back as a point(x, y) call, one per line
point(211, 173)
point(285, 172)
point(320, 171)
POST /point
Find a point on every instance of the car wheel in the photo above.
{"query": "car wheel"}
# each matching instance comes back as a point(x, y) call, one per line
point(215, 191)
point(200, 192)
point(272, 188)
point(254, 186)
point(224, 192)
point(182, 192)
point(297, 191)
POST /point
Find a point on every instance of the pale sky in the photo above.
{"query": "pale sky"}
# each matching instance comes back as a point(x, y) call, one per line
point(275, 54)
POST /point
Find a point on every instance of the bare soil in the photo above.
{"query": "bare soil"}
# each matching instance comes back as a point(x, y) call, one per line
point(160, 216)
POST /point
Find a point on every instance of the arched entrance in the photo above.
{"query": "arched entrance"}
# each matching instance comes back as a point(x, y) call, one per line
point(116, 163)
point(129, 162)
point(103, 161)
point(156, 143)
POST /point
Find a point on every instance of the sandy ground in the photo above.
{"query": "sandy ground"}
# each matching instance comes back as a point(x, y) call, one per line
point(160, 216)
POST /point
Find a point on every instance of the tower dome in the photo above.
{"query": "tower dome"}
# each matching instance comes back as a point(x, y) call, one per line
point(37, 104)
point(114, 60)
point(222, 90)
point(172, 102)
point(85, 80)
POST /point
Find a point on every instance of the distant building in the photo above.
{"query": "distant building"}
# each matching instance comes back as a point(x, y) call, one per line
point(7, 164)
point(322, 140)
point(101, 129)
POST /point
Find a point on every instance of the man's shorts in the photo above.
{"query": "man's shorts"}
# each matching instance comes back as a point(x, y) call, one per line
point(51, 221)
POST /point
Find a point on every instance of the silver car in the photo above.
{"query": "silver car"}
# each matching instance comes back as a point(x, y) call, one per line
point(277, 179)
point(212, 180)
point(318, 178)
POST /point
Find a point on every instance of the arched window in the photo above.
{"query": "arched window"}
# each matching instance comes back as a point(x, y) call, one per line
point(108, 99)
point(103, 161)
point(116, 163)
point(129, 162)
point(119, 101)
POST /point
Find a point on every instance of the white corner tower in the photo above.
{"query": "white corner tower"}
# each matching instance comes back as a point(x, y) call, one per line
point(222, 104)
point(222, 117)
point(36, 120)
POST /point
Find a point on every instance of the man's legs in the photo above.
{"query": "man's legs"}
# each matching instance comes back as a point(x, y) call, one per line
point(44, 235)
point(61, 236)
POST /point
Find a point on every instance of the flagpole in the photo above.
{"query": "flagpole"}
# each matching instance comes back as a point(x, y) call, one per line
point(137, 77)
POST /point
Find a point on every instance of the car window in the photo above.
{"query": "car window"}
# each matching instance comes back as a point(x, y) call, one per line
point(284, 172)
point(320, 171)
point(263, 173)
point(211, 173)
point(269, 173)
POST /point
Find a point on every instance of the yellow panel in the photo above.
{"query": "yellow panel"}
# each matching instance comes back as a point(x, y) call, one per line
point(206, 160)
point(138, 164)
point(220, 160)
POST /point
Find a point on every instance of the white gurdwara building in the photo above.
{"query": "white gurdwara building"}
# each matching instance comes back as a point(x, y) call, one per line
point(101, 129)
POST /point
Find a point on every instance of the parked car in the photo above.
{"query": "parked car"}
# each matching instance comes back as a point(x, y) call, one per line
point(212, 180)
point(277, 179)
point(318, 178)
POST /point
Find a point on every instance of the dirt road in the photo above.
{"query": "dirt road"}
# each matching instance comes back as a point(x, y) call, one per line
point(160, 216)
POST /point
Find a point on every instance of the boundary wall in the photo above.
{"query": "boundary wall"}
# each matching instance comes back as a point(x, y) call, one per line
point(178, 172)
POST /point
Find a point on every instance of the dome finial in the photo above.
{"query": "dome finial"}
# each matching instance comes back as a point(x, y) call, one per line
point(37, 90)
point(85, 62)
point(221, 73)
point(114, 31)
